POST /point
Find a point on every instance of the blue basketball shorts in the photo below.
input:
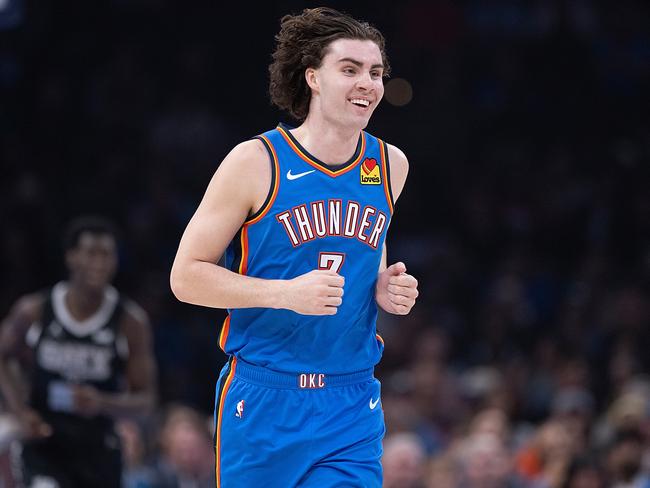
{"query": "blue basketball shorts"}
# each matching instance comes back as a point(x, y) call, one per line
point(297, 430)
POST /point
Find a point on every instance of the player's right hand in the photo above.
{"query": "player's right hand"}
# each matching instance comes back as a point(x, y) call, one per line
point(32, 426)
point(318, 292)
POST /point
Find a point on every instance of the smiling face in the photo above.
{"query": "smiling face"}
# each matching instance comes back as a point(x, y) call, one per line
point(348, 85)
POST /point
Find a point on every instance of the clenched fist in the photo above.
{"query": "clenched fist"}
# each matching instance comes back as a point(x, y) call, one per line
point(396, 290)
point(318, 292)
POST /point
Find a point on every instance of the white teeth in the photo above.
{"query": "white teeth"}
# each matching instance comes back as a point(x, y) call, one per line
point(359, 101)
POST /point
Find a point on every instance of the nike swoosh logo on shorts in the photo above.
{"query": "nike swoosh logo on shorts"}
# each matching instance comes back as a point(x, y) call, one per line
point(299, 175)
point(372, 404)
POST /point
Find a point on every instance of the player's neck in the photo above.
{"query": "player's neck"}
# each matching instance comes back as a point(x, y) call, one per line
point(82, 302)
point(332, 144)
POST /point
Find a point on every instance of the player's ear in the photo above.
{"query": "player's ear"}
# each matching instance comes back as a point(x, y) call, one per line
point(311, 77)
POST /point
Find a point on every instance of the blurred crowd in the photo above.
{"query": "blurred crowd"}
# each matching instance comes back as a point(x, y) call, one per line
point(173, 449)
point(526, 217)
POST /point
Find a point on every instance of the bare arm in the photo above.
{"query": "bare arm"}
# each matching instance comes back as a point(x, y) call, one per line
point(23, 314)
point(396, 290)
point(140, 396)
point(399, 170)
point(384, 259)
point(237, 189)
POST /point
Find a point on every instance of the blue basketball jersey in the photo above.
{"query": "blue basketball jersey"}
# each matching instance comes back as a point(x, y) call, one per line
point(316, 216)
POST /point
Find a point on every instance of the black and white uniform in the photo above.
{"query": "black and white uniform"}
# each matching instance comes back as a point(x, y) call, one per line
point(82, 451)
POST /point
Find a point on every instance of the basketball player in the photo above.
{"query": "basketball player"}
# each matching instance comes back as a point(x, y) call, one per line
point(87, 352)
point(302, 214)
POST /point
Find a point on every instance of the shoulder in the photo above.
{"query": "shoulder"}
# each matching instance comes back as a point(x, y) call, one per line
point(243, 178)
point(249, 162)
point(250, 148)
point(27, 310)
point(29, 307)
point(134, 314)
point(397, 158)
point(399, 168)
point(134, 324)
point(251, 154)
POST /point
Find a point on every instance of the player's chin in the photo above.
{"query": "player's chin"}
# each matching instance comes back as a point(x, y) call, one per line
point(96, 284)
point(366, 113)
point(361, 117)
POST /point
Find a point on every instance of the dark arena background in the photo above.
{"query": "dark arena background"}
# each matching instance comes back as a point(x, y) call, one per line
point(525, 218)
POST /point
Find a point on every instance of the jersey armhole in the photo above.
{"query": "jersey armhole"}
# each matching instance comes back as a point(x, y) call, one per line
point(385, 163)
point(273, 189)
point(32, 332)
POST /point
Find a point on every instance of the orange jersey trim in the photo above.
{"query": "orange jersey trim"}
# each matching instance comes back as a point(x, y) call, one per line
point(242, 269)
point(319, 166)
point(223, 336)
point(222, 400)
point(243, 240)
point(383, 150)
point(380, 339)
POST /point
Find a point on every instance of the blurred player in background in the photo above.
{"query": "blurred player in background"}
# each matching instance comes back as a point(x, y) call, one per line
point(86, 352)
point(302, 214)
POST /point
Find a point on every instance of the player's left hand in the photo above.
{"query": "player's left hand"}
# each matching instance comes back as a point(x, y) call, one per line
point(396, 290)
point(88, 401)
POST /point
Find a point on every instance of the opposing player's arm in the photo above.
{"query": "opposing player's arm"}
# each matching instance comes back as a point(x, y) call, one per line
point(141, 371)
point(239, 188)
point(13, 331)
point(140, 396)
point(396, 290)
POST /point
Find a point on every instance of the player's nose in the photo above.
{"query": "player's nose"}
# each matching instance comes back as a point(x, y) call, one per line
point(364, 81)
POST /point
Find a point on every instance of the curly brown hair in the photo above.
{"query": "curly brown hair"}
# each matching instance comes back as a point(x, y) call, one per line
point(302, 43)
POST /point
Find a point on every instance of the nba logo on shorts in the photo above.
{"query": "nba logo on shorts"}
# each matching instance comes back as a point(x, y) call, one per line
point(240, 409)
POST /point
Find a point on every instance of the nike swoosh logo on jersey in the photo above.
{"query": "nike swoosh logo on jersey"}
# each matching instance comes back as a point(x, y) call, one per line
point(299, 175)
point(372, 404)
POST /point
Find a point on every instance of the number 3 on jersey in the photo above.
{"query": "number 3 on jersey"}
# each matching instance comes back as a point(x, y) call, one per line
point(331, 260)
